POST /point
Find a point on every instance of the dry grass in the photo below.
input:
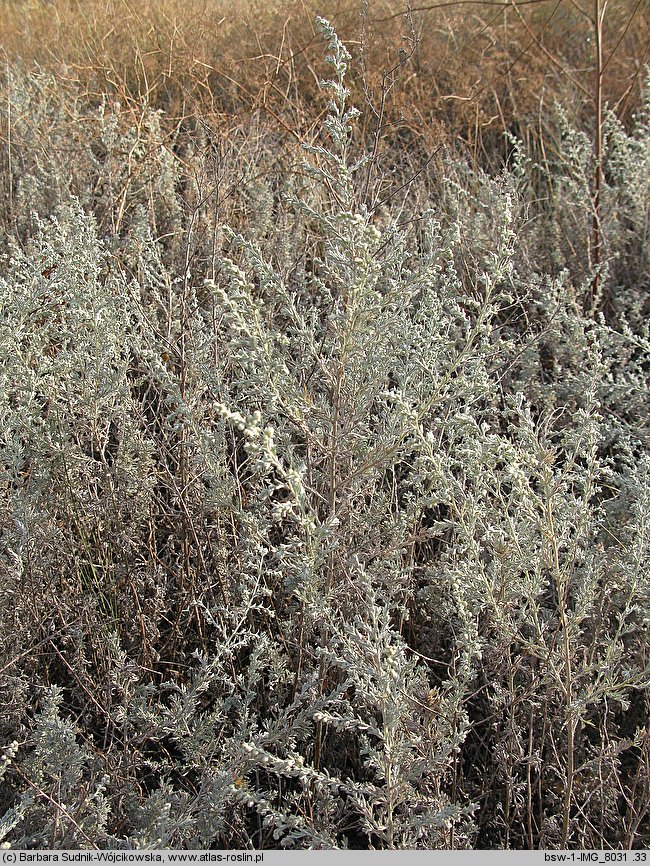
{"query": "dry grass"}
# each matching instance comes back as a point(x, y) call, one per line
point(480, 68)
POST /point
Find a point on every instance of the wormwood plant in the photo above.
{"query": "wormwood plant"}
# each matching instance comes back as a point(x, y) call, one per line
point(331, 541)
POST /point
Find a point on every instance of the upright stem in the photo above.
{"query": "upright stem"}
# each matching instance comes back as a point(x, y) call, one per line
point(10, 166)
point(562, 589)
point(599, 15)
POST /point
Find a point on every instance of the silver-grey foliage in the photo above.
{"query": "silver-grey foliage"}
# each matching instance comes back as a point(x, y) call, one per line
point(319, 532)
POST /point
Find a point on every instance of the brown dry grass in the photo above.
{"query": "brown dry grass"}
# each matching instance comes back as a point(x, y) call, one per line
point(480, 68)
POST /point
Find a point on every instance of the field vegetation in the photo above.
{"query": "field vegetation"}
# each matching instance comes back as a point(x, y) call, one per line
point(324, 424)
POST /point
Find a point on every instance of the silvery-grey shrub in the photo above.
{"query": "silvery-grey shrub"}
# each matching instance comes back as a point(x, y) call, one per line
point(317, 532)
